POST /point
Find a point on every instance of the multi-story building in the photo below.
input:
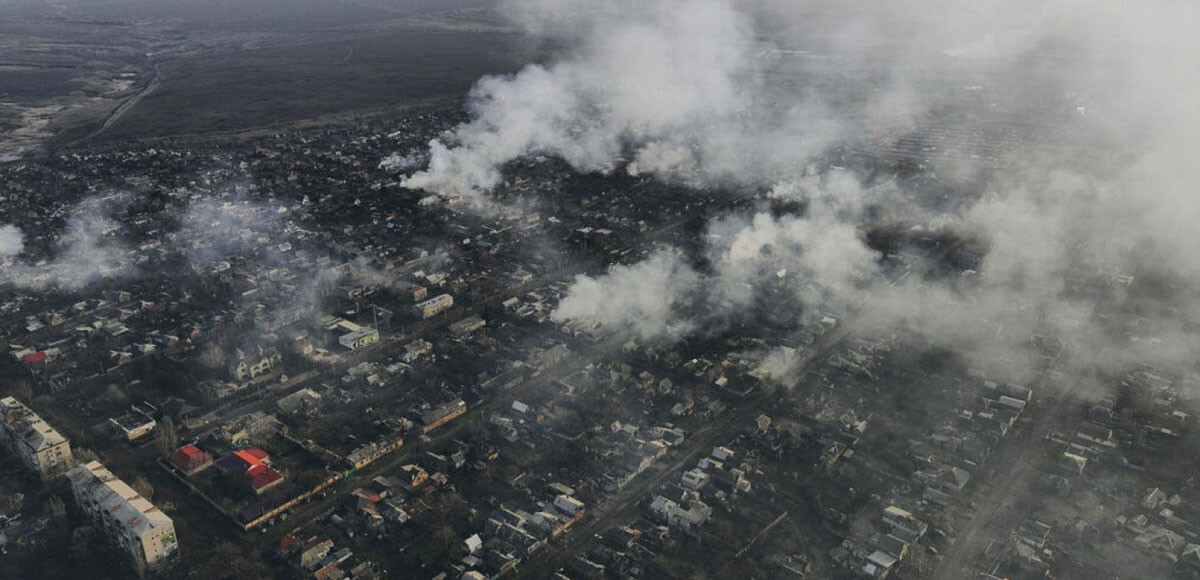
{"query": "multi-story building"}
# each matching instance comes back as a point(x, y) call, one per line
point(435, 305)
point(254, 364)
point(359, 338)
point(128, 519)
point(39, 445)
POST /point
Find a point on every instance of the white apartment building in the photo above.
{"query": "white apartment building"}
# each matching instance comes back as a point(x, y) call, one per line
point(129, 519)
point(42, 448)
point(435, 305)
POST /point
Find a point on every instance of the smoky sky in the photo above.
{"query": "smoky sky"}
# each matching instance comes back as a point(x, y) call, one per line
point(1099, 186)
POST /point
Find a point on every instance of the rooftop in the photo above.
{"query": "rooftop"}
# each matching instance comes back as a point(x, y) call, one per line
point(131, 421)
point(122, 502)
point(35, 432)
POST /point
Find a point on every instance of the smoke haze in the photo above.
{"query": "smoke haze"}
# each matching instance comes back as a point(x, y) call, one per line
point(642, 298)
point(767, 95)
point(87, 250)
point(12, 241)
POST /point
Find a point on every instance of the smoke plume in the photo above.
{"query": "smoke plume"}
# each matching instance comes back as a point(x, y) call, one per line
point(1058, 136)
point(12, 241)
point(642, 298)
point(88, 250)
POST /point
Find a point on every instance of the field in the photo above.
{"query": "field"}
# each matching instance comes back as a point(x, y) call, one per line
point(237, 14)
point(79, 72)
point(261, 87)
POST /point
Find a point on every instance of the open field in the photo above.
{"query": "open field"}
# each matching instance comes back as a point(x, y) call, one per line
point(252, 88)
point(79, 73)
point(226, 14)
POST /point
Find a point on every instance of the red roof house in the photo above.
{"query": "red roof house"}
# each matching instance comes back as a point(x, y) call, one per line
point(263, 478)
point(190, 459)
point(243, 459)
point(253, 456)
point(289, 544)
point(253, 463)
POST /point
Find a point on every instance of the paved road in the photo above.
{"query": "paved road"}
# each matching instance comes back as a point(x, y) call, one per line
point(127, 105)
point(995, 501)
point(623, 507)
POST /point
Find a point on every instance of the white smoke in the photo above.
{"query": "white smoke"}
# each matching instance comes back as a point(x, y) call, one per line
point(819, 259)
point(642, 298)
point(754, 93)
point(214, 229)
point(12, 241)
point(398, 162)
point(672, 85)
point(88, 250)
point(709, 91)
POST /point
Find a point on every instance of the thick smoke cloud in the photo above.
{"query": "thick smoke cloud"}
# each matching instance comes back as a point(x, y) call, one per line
point(1099, 191)
point(642, 298)
point(817, 259)
point(398, 162)
point(715, 91)
point(673, 86)
point(88, 250)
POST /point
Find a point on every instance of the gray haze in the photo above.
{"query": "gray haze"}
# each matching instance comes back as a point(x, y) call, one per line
point(88, 249)
point(752, 94)
point(12, 241)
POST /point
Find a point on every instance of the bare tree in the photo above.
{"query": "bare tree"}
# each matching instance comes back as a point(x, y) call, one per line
point(11, 503)
point(166, 436)
point(22, 390)
point(84, 455)
point(228, 560)
point(143, 487)
point(57, 508)
point(212, 356)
